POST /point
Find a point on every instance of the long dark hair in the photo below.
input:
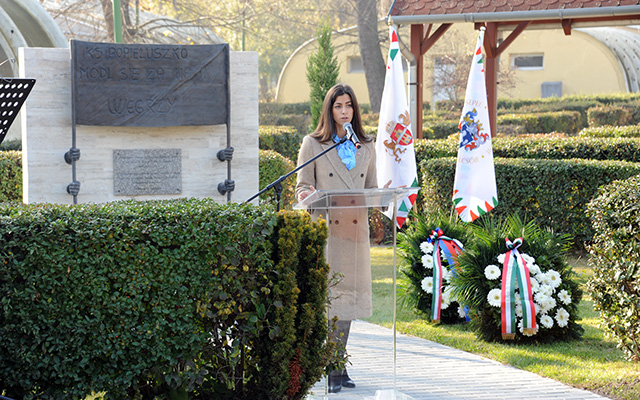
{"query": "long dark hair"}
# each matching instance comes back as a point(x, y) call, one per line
point(327, 125)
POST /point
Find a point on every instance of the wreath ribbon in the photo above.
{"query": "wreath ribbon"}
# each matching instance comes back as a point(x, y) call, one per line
point(450, 248)
point(516, 273)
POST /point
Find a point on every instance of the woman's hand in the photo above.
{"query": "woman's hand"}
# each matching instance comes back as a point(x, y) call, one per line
point(306, 193)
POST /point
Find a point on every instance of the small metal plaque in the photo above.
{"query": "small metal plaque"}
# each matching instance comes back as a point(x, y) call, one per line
point(147, 171)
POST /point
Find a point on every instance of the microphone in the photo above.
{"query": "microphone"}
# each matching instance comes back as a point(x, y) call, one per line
point(351, 135)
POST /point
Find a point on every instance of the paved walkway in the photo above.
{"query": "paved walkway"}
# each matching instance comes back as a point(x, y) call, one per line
point(431, 371)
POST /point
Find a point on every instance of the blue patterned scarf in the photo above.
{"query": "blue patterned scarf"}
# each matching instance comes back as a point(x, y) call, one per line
point(347, 152)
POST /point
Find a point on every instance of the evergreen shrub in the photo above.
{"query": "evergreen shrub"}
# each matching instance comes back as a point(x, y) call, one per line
point(609, 115)
point(285, 140)
point(557, 121)
point(615, 255)
point(300, 122)
point(273, 165)
point(608, 131)
point(541, 147)
point(322, 72)
point(553, 193)
point(15, 144)
point(11, 176)
point(555, 292)
point(161, 299)
point(267, 108)
point(440, 129)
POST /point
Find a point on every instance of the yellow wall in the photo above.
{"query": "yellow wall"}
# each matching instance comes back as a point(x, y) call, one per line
point(583, 64)
point(293, 86)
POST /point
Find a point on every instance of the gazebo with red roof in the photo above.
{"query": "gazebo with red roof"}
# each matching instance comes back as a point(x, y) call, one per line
point(430, 19)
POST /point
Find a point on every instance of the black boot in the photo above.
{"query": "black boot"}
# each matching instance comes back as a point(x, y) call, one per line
point(335, 382)
point(346, 381)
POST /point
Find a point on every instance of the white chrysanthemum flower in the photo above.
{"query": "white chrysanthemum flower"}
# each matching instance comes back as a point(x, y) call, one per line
point(501, 258)
point(426, 247)
point(564, 296)
point(534, 269)
point(427, 284)
point(552, 302)
point(494, 297)
point(492, 272)
point(427, 261)
point(461, 312)
point(528, 259)
point(547, 303)
point(519, 310)
point(554, 278)
point(546, 321)
point(540, 298)
point(545, 289)
point(444, 305)
point(518, 298)
point(542, 278)
point(535, 285)
point(562, 317)
point(446, 294)
point(447, 275)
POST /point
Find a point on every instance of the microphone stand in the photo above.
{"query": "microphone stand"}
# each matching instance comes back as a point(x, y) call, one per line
point(277, 184)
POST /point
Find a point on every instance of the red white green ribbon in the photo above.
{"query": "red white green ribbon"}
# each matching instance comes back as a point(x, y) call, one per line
point(515, 272)
point(451, 248)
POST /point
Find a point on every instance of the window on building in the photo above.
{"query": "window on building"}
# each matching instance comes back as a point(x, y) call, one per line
point(527, 61)
point(355, 65)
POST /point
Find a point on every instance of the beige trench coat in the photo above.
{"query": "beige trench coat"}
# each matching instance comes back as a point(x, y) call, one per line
point(348, 250)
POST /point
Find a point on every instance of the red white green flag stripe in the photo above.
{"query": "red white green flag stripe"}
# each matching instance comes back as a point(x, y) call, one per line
point(516, 274)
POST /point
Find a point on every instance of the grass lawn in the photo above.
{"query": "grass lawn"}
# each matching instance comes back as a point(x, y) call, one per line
point(592, 363)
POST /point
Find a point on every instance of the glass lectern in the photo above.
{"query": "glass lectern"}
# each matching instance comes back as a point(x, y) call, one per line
point(372, 363)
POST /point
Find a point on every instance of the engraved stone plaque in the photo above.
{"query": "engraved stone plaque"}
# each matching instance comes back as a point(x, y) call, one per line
point(147, 171)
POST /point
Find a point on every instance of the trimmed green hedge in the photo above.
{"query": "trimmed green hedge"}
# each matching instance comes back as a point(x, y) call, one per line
point(15, 144)
point(615, 255)
point(542, 147)
point(631, 131)
point(552, 192)
point(161, 298)
point(547, 122)
point(440, 129)
point(511, 124)
point(577, 103)
point(609, 115)
point(273, 165)
point(11, 176)
point(285, 140)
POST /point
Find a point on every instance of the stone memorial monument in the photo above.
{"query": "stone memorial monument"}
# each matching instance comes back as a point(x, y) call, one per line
point(110, 122)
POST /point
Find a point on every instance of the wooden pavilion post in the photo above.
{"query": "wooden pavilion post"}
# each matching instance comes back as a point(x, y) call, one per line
point(417, 33)
point(491, 73)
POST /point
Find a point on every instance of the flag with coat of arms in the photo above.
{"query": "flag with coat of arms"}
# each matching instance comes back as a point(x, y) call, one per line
point(395, 155)
point(474, 189)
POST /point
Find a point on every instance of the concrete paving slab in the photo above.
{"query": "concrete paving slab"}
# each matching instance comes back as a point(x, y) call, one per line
point(426, 370)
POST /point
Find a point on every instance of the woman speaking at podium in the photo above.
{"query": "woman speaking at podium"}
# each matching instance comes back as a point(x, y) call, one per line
point(352, 166)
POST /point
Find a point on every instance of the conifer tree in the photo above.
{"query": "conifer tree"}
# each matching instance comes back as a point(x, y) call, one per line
point(322, 72)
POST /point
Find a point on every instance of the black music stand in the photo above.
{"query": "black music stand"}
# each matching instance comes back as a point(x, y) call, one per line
point(13, 93)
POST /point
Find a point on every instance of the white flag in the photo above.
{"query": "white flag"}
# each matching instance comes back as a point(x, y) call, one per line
point(395, 156)
point(474, 189)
